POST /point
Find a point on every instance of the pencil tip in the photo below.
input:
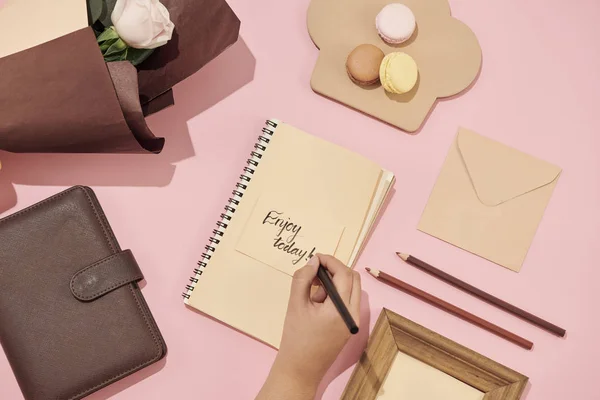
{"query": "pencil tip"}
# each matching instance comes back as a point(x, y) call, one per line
point(374, 272)
point(403, 256)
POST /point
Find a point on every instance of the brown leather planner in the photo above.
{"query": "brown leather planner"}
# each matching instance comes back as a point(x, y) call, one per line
point(72, 317)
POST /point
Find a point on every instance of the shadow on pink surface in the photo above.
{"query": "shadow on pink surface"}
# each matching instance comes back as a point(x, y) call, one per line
point(117, 387)
point(195, 95)
point(8, 195)
point(353, 350)
point(450, 98)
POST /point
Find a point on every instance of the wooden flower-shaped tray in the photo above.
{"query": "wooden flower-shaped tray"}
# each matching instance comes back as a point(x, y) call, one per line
point(446, 51)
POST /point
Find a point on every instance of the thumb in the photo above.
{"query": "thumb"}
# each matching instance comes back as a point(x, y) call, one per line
point(303, 280)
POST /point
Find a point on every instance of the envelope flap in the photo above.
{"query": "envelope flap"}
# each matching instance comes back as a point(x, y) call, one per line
point(500, 173)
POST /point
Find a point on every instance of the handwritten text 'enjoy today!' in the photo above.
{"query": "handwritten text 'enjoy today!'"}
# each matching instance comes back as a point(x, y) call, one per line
point(287, 232)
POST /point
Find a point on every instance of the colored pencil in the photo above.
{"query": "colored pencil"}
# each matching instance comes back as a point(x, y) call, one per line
point(450, 308)
point(482, 295)
point(334, 295)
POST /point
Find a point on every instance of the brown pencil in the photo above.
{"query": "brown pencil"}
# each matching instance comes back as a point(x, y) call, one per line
point(452, 309)
point(482, 295)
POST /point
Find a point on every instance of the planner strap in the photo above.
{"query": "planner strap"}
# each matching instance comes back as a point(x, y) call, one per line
point(105, 276)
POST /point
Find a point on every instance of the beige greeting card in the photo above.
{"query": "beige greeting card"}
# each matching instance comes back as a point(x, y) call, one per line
point(29, 23)
point(285, 235)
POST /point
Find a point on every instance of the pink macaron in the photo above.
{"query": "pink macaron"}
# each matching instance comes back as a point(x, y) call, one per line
point(395, 23)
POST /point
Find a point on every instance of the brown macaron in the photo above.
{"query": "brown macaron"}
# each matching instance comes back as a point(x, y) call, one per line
point(363, 64)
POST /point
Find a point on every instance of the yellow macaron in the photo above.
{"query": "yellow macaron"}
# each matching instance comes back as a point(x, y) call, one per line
point(398, 73)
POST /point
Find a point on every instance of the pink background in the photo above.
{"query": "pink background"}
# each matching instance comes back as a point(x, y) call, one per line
point(539, 91)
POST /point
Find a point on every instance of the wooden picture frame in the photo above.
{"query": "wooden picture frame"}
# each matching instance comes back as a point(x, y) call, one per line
point(394, 333)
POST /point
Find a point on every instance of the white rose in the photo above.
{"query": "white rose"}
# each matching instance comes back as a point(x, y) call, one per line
point(142, 24)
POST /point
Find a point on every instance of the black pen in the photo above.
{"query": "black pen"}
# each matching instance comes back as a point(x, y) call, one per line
point(333, 294)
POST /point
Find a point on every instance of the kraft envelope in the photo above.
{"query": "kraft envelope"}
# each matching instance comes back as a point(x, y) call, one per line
point(489, 199)
point(285, 234)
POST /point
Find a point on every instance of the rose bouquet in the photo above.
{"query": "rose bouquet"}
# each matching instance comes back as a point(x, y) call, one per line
point(82, 79)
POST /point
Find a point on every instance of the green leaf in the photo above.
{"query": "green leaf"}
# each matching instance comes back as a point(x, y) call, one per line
point(138, 56)
point(108, 34)
point(121, 56)
point(106, 44)
point(95, 8)
point(117, 47)
point(114, 48)
point(117, 57)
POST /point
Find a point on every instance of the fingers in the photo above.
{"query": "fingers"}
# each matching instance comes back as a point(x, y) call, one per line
point(302, 281)
point(355, 297)
point(332, 264)
point(318, 294)
point(342, 276)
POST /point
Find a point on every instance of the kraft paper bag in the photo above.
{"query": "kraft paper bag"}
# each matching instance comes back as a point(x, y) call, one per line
point(58, 95)
point(489, 199)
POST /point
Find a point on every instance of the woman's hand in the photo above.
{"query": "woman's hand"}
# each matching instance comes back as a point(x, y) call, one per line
point(314, 333)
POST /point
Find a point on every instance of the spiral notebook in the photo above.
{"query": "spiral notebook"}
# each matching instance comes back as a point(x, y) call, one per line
point(298, 195)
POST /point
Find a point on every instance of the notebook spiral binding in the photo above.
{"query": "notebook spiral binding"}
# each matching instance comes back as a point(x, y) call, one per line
point(240, 188)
